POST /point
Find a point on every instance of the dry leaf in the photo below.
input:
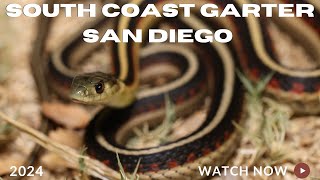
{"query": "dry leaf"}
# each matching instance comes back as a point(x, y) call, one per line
point(71, 116)
point(55, 162)
point(10, 159)
point(67, 137)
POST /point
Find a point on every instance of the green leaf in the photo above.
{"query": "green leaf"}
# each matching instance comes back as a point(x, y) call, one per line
point(82, 163)
point(122, 173)
point(263, 83)
point(246, 83)
point(170, 109)
point(134, 175)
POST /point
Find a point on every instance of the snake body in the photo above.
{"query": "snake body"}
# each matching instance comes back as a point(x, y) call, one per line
point(205, 70)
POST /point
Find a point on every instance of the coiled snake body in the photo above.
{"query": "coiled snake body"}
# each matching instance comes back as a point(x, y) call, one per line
point(205, 70)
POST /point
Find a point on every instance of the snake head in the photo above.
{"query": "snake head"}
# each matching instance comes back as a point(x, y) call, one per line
point(95, 88)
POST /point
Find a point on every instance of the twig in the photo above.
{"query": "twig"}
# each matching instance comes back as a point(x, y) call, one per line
point(93, 167)
point(38, 65)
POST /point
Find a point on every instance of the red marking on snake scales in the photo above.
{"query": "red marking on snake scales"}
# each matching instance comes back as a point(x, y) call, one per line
point(192, 92)
point(255, 72)
point(317, 87)
point(151, 107)
point(286, 1)
point(140, 167)
point(92, 155)
point(124, 167)
point(172, 164)
point(217, 145)
point(106, 162)
point(202, 85)
point(297, 88)
point(154, 167)
point(243, 56)
point(139, 110)
point(206, 151)
point(65, 85)
point(113, 68)
point(191, 157)
point(226, 135)
point(312, 22)
point(274, 83)
point(180, 100)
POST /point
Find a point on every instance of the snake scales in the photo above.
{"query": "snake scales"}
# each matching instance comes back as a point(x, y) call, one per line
point(204, 70)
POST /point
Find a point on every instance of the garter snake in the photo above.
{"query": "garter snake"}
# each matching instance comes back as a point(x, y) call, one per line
point(206, 70)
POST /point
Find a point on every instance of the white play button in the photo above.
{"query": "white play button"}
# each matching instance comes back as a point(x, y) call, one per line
point(302, 170)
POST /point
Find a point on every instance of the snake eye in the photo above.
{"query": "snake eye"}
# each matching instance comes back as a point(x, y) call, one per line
point(99, 87)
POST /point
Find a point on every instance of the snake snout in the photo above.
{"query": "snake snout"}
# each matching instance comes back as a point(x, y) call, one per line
point(78, 92)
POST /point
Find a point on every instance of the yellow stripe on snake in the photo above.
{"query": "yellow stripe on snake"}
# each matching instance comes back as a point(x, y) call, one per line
point(201, 70)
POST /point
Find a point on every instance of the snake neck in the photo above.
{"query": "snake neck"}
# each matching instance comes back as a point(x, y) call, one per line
point(124, 98)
